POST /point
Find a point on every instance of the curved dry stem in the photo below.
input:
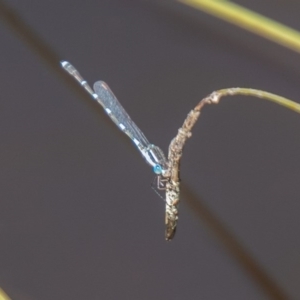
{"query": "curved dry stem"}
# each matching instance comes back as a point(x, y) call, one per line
point(177, 144)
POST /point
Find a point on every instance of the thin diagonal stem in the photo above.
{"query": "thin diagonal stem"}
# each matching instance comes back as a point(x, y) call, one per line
point(233, 246)
point(14, 21)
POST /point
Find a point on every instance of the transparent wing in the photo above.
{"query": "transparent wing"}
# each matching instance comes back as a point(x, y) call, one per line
point(118, 114)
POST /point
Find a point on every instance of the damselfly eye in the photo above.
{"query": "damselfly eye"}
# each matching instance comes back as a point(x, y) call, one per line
point(157, 169)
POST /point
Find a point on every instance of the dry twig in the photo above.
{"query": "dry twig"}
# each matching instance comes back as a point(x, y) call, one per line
point(172, 176)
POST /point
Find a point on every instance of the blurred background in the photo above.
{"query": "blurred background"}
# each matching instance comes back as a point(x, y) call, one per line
point(78, 219)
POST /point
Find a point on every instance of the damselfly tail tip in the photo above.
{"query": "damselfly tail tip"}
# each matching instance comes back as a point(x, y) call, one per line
point(64, 63)
point(69, 68)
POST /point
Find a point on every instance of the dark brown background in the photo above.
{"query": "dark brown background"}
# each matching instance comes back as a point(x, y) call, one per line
point(78, 219)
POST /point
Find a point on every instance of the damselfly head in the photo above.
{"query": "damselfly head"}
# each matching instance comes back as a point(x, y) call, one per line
point(157, 169)
point(161, 169)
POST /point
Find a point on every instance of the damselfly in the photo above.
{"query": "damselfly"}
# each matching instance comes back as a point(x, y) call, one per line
point(153, 155)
